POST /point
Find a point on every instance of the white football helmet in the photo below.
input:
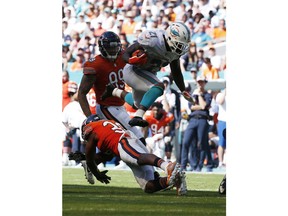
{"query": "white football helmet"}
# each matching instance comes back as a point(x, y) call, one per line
point(178, 37)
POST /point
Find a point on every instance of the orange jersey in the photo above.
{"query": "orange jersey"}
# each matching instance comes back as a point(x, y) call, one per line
point(69, 86)
point(106, 72)
point(108, 132)
point(157, 126)
point(91, 98)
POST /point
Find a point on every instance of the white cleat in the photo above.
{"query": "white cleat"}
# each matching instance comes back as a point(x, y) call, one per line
point(181, 186)
point(171, 170)
point(88, 173)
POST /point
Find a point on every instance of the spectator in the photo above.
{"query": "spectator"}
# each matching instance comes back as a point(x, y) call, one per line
point(72, 118)
point(170, 12)
point(98, 18)
point(185, 111)
point(180, 11)
point(189, 60)
point(78, 64)
point(201, 38)
point(65, 30)
point(109, 20)
point(80, 25)
point(129, 24)
point(216, 60)
point(221, 126)
point(197, 130)
point(69, 18)
point(89, 30)
point(209, 72)
point(75, 43)
point(197, 18)
point(99, 30)
point(219, 32)
point(200, 61)
point(69, 88)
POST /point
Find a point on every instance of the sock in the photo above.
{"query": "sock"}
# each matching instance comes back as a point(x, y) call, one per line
point(139, 113)
point(117, 92)
point(151, 95)
point(129, 99)
point(164, 165)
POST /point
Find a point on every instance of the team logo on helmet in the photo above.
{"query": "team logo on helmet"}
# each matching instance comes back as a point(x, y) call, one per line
point(174, 31)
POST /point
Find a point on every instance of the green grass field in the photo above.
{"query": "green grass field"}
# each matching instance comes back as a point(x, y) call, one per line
point(123, 196)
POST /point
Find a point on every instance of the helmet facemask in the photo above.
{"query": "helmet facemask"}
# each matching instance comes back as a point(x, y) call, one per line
point(109, 45)
point(178, 38)
point(110, 50)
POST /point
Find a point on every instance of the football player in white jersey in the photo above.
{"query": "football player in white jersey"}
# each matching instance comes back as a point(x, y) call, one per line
point(159, 48)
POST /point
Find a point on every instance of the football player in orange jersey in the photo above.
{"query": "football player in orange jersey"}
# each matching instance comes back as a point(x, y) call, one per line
point(159, 121)
point(112, 139)
point(97, 73)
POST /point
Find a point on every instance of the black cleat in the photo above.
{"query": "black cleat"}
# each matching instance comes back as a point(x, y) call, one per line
point(108, 91)
point(222, 186)
point(138, 121)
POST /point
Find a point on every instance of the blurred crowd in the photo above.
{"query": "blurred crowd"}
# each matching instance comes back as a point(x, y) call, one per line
point(83, 21)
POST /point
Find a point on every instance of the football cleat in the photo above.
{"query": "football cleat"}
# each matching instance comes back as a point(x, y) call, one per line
point(88, 173)
point(108, 91)
point(180, 183)
point(171, 170)
point(138, 121)
point(222, 186)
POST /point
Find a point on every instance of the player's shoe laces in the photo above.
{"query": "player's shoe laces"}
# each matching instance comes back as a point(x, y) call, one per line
point(88, 173)
point(222, 186)
point(171, 170)
point(138, 121)
point(180, 183)
point(108, 91)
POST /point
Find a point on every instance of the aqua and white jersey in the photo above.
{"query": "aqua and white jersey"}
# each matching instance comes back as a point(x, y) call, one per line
point(154, 45)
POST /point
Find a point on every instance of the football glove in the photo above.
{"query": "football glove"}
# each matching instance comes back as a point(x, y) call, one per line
point(102, 177)
point(138, 60)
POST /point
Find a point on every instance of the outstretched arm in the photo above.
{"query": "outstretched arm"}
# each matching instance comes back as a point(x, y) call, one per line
point(179, 80)
point(90, 159)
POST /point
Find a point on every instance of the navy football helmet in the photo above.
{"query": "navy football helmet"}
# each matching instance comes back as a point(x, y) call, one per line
point(109, 45)
point(92, 118)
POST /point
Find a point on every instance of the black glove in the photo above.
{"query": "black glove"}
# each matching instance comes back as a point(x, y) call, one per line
point(77, 156)
point(102, 177)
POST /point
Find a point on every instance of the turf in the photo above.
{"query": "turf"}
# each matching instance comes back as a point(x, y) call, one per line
point(123, 196)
